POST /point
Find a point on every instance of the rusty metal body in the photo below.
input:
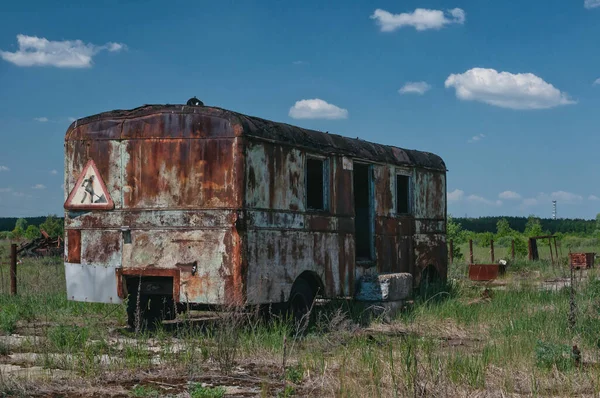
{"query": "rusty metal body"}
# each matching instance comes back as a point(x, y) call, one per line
point(216, 201)
point(582, 260)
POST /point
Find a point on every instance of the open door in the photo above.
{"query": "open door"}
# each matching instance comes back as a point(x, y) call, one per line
point(363, 213)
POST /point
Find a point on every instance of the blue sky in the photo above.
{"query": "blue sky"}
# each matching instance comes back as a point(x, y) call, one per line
point(504, 93)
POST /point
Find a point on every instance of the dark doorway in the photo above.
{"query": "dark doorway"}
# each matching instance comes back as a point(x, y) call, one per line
point(363, 219)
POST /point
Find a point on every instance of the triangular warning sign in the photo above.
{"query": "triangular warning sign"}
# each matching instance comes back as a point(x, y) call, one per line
point(89, 192)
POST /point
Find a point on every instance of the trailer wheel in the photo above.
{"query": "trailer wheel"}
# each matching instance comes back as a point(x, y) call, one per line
point(301, 299)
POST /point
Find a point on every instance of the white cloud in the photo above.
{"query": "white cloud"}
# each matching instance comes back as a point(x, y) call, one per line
point(415, 88)
point(596, 82)
point(506, 90)
point(18, 194)
point(38, 186)
point(300, 62)
point(593, 197)
point(41, 119)
point(591, 4)
point(316, 109)
point(54, 172)
point(5, 190)
point(510, 195)
point(420, 19)
point(561, 197)
point(476, 138)
point(39, 51)
point(455, 195)
point(566, 197)
point(4, 168)
point(482, 200)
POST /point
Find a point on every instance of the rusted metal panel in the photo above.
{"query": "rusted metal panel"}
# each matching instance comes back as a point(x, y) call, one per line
point(213, 250)
point(74, 246)
point(430, 226)
point(274, 177)
point(179, 174)
point(429, 195)
point(121, 273)
point(384, 181)
point(430, 250)
point(341, 186)
point(483, 272)
point(582, 260)
point(182, 121)
point(101, 247)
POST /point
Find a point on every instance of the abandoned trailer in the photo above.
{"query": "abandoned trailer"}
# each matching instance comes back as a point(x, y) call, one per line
point(201, 205)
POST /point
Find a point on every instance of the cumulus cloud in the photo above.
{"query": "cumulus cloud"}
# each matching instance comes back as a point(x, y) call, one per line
point(39, 51)
point(591, 4)
point(482, 200)
point(4, 168)
point(596, 82)
point(41, 119)
point(420, 19)
point(415, 88)
point(506, 90)
point(476, 138)
point(455, 195)
point(316, 109)
point(38, 186)
point(562, 197)
point(510, 195)
point(593, 197)
point(54, 172)
point(2, 190)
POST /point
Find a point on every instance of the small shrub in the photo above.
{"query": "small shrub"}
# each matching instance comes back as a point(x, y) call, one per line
point(295, 374)
point(68, 338)
point(199, 391)
point(144, 392)
point(287, 392)
point(8, 320)
point(548, 355)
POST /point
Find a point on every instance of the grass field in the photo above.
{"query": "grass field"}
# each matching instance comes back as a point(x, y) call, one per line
point(515, 340)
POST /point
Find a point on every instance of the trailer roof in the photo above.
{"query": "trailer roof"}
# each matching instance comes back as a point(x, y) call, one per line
point(111, 126)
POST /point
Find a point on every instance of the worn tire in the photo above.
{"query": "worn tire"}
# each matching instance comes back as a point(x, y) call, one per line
point(301, 299)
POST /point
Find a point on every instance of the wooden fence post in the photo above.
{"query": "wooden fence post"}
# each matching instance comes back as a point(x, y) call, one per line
point(13, 269)
point(492, 249)
point(470, 251)
point(513, 250)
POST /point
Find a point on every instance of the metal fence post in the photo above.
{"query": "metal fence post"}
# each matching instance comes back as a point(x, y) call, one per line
point(492, 249)
point(13, 269)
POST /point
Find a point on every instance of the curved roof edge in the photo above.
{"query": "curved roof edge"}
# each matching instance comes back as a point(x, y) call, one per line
point(285, 133)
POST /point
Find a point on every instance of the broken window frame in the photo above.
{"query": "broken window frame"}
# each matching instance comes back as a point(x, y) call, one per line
point(325, 163)
point(409, 175)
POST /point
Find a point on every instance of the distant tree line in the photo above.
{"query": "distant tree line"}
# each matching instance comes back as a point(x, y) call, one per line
point(519, 224)
point(9, 223)
point(30, 228)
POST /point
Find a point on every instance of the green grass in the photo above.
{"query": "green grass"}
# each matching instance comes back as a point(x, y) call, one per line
point(198, 391)
point(450, 344)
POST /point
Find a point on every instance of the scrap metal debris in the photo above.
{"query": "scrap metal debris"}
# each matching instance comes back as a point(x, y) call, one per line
point(42, 246)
